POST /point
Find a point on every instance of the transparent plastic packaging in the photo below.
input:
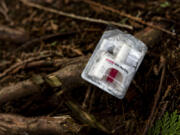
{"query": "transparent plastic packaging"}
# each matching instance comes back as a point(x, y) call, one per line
point(114, 62)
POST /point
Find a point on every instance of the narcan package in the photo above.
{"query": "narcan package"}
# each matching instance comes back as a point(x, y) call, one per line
point(114, 62)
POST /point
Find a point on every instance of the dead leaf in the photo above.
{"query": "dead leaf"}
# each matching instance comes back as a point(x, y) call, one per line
point(54, 26)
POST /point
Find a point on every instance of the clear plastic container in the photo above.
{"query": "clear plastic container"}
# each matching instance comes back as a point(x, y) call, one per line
point(114, 62)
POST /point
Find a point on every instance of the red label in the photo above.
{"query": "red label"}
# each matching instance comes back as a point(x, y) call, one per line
point(112, 74)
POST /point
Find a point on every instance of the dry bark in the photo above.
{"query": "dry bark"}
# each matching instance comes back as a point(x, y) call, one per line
point(18, 125)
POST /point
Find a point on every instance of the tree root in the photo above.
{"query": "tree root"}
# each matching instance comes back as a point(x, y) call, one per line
point(18, 125)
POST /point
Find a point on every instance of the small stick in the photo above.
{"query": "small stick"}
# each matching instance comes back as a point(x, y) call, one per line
point(38, 6)
point(4, 10)
point(169, 88)
point(88, 91)
point(137, 19)
point(163, 109)
point(91, 100)
point(39, 39)
point(137, 86)
point(16, 67)
point(149, 121)
point(162, 105)
point(85, 117)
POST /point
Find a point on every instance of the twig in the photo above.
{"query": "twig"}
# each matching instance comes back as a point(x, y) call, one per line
point(162, 106)
point(137, 86)
point(14, 68)
point(38, 6)
point(91, 100)
point(121, 13)
point(86, 97)
point(85, 117)
point(169, 88)
point(4, 10)
point(149, 121)
point(46, 37)
point(36, 54)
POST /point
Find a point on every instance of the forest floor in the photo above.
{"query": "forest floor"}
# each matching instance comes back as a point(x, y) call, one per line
point(27, 32)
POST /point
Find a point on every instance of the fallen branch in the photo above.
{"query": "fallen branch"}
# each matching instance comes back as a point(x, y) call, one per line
point(14, 35)
point(38, 6)
point(137, 19)
point(18, 125)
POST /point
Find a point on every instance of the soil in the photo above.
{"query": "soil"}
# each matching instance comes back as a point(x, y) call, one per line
point(79, 38)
